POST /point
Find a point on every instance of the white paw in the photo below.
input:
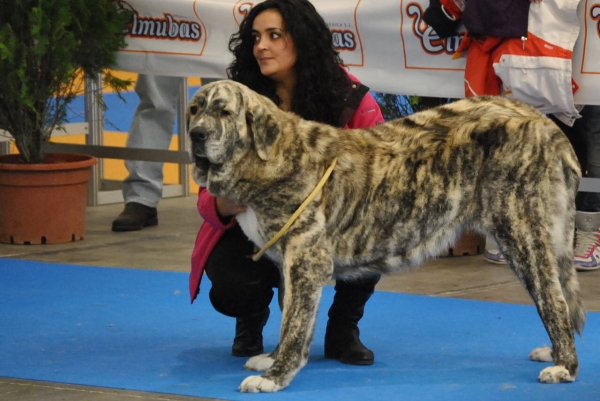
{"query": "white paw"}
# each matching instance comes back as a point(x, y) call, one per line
point(555, 374)
point(543, 354)
point(259, 363)
point(258, 384)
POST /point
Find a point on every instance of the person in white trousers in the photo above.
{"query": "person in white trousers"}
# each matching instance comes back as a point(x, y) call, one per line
point(151, 128)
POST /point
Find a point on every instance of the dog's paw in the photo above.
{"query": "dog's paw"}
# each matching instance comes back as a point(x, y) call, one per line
point(555, 374)
point(543, 354)
point(259, 363)
point(258, 384)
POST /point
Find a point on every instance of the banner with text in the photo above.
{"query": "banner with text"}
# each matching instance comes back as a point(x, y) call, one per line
point(385, 43)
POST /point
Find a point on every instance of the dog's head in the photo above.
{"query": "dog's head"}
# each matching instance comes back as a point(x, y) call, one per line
point(229, 126)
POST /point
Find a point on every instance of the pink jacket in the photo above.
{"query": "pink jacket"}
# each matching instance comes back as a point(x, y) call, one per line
point(367, 115)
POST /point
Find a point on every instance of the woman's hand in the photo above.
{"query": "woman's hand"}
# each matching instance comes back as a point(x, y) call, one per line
point(228, 207)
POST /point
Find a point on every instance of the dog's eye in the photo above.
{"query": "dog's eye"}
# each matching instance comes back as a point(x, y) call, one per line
point(193, 110)
point(225, 113)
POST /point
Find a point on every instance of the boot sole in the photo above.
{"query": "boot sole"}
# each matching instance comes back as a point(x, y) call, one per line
point(348, 362)
point(364, 362)
point(246, 354)
point(125, 227)
point(357, 363)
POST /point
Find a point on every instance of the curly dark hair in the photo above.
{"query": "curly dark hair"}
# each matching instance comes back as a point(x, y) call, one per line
point(321, 82)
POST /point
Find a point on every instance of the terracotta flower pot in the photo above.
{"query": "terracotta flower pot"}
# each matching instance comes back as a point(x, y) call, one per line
point(469, 243)
point(44, 203)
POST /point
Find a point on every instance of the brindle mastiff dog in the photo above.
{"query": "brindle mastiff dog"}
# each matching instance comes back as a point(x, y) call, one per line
point(399, 194)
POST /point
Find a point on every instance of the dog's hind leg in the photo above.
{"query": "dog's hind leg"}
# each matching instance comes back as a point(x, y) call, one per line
point(567, 273)
point(531, 253)
point(306, 272)
point(569, 284)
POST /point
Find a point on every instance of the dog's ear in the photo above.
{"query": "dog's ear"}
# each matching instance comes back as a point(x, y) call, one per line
point(264, 129)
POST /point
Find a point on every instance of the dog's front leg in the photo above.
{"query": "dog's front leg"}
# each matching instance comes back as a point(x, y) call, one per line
point(305, 275)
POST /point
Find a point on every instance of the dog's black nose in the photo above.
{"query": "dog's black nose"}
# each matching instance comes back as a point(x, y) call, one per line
point(198, 134)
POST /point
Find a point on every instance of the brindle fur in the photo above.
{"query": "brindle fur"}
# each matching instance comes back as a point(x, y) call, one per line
point(400, 194)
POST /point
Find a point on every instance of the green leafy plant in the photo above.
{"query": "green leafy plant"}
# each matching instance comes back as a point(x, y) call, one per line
point(46, 47)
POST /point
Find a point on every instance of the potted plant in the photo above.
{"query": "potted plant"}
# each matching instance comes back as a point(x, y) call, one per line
point(46, 47)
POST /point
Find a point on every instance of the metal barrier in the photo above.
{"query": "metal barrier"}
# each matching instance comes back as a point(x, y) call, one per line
point(94, 117)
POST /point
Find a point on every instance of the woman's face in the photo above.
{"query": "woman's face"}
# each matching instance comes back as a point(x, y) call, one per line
point(274, 49)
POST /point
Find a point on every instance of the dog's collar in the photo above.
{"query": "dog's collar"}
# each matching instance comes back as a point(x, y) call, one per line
point(291, 220)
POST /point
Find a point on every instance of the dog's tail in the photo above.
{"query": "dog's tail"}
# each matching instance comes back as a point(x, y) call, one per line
point(570, 287)
point(567, 273)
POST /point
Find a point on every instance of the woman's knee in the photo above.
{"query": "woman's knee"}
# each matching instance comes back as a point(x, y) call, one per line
point(235, 302)
point(239, 285)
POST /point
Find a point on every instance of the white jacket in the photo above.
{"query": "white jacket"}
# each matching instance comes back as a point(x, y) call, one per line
point(538, 69)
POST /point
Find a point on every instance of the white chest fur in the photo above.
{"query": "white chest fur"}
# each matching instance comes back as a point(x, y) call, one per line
point(249, 224)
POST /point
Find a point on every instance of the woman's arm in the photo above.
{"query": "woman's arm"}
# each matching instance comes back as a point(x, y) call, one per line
point(217, 211)
point(368, 114)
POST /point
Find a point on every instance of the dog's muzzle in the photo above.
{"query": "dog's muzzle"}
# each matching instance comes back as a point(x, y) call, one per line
point(198, 136)
point(202, 162)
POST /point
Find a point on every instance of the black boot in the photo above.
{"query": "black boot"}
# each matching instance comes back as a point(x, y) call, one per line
point(248, 339)
point(342, 336)
point(134, 217)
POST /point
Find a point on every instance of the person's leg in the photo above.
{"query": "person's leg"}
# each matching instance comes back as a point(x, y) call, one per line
point(241, 288)
point(342, 339)
point(574, 135)
point(151, 128)
point(492, 254)
point(587, 221)
point(589, 128)
point(578, 142)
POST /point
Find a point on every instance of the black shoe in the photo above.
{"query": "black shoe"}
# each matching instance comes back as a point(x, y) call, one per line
point(248, 334)
point(342, 339)
point(134, 217)
point(342, 342)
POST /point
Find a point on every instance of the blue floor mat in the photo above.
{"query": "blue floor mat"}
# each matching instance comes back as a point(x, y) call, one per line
point(135, 329)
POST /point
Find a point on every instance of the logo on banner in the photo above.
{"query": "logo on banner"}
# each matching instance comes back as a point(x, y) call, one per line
point(343, 39)
point(185, 33)
point(595, 15)
point(165, 28)
point(590, 63)
point(241, 10)
point(417, 33)
point(344, 31)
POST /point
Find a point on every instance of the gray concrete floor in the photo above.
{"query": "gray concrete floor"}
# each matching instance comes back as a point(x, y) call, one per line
point(168, 247)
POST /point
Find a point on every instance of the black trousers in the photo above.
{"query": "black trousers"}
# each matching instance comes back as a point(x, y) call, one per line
point(585, 138)
point(241, 286)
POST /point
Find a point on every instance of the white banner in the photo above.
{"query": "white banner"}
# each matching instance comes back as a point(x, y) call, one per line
point(385, 43)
